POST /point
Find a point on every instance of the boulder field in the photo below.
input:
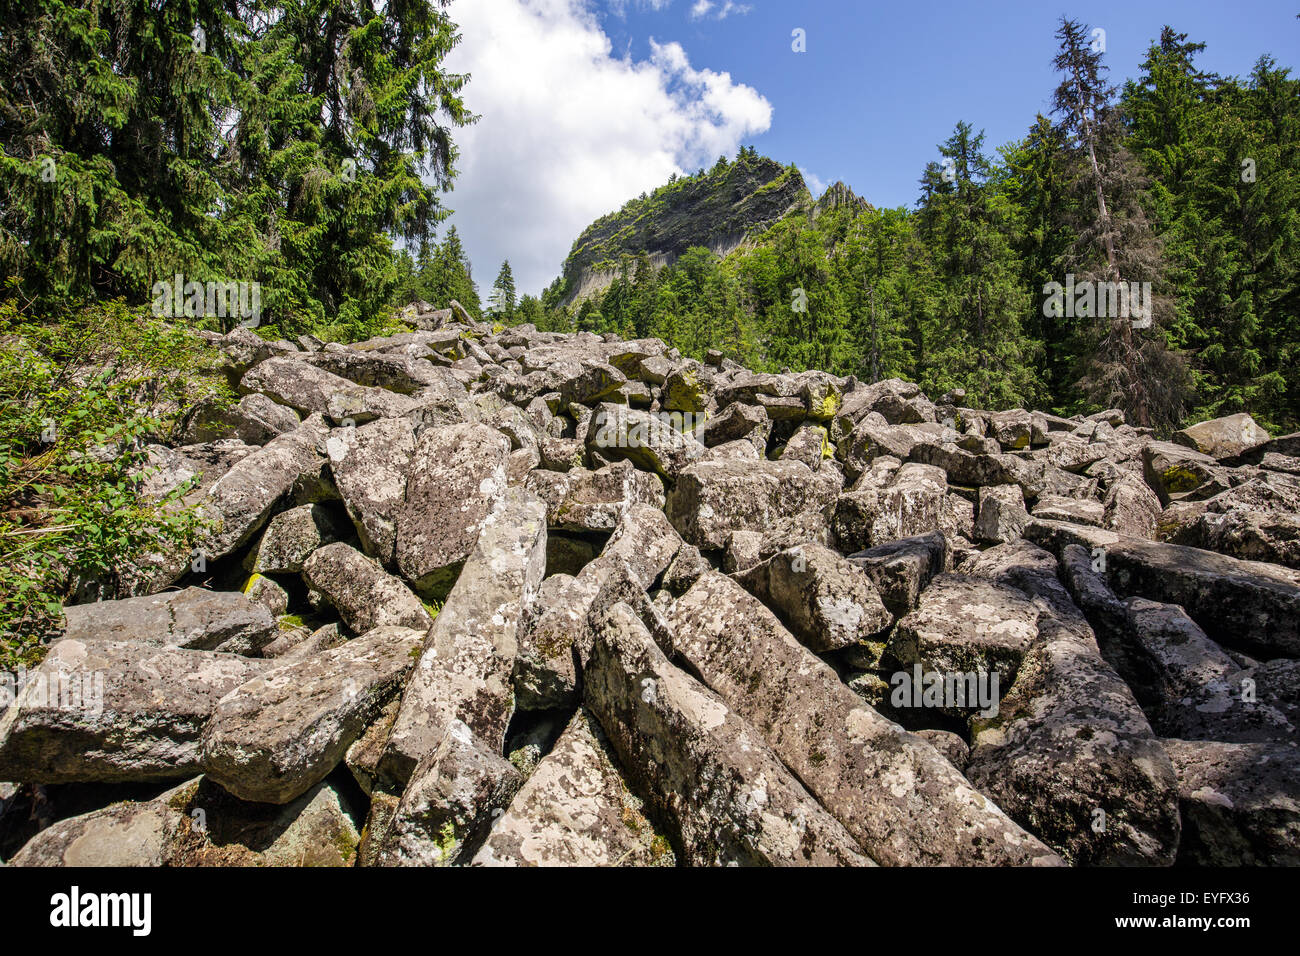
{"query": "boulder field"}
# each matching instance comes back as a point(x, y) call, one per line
point(472, 595)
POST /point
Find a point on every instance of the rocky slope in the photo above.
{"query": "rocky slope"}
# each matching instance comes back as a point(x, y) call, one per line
point(718, 209)
point(510, 598)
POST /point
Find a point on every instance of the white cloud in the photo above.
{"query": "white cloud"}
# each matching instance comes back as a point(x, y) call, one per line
point(816, 185)
point(723, 8)
point(569, 132)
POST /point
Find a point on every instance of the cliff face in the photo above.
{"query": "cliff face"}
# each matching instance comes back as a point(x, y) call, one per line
point(717, 209)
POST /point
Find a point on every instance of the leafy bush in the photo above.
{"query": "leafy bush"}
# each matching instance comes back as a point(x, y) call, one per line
point(80, 397)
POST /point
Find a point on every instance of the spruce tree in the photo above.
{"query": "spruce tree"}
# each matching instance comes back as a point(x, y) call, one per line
point(1121, 365)
point(976, 339)
point(502, 299)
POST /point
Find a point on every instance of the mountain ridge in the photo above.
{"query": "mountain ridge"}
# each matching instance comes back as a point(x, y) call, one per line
point(718, 209)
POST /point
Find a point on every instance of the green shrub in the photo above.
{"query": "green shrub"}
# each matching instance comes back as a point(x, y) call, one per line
point(80, 396)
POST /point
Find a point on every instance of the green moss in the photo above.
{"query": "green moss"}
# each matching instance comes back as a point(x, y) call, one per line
point(346, 845)
point(826, 407)
point(1178, 479)
point(288, 622)
point(660, 848)
point(446, 841)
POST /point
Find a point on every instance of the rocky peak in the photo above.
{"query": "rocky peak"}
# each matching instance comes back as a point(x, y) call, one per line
point(717, 208)
point(839, 196)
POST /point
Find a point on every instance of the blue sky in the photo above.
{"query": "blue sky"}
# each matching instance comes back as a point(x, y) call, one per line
point(586, 103)
point(882, 83)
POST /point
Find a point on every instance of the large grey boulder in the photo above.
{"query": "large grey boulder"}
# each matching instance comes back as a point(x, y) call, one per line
point(243, 498)
point(457, 477)
point(580, 500)
point(116, 711)
point(1247, 604)
point(656, 443)
point(297, 384)
point(966, 625)
point(1070, 753)
point(575, 810)
point(902, 569)
point(453, 796)
point(900, 799)
point(370, 465)
point(254, 419)
point(273, 738)
point(713, 498)
point(364, 594)
point(464, 670)
point(1002, 514)
point(290, 538)
point(912, 500)
point(1200, 691)
point(1175, 469)
point(827, 602)
point(192, 618)
point(199, 824)
point(1240, 803)
point(557, 638)
point(721, 794)
point(1223, 437)
point(374, 369)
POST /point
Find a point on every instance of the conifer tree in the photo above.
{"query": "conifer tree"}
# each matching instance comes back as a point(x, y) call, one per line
point(502, 299)
point(1124, 365)
point(977, 341)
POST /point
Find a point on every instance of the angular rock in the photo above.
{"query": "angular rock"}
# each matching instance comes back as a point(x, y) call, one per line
point(243, 498)
point(451, 800)
point(290, 538)
point(713, 498)
point(1070, 753)
point(659, 443)
point(1223, 437)
point(1002, 515)
point(721, 794)
point(1077, 510)
point(1245, 604)
point(361, 591)
point(464, 672)
point(1174, 469)
point(457, 477)
point(1240, 803)
point(273, 738)
point(254, 419)
point(965, 625)
point(901, 800)
point(827, 602)
point(902, 569)
point(582, 500)
point(296, 384)
point(193, 618)
point(575, 810)
point(370, 466)
point(115, 711)
point(263, 591)
point(735, 422)
point(557, 641)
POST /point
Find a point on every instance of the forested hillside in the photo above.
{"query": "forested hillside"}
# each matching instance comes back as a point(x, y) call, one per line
point(1183, 179)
